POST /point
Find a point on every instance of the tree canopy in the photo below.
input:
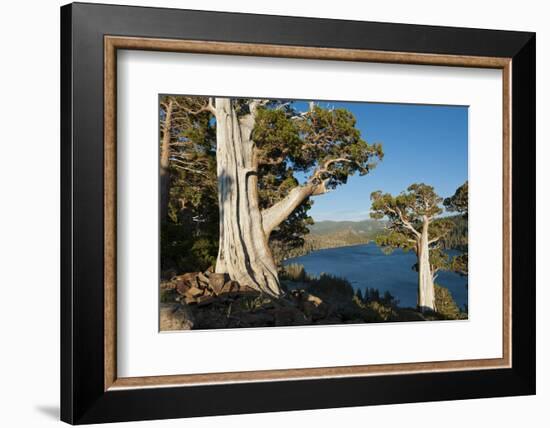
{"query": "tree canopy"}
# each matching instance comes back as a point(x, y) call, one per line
point(406, 214)
point(321, 141)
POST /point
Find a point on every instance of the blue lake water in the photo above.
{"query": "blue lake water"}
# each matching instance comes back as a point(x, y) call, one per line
point(366, 266)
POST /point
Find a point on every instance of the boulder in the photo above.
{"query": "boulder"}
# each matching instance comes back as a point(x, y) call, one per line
point(185, 282)
point(167, 285)
point(175, 316)
point(230, 287)
point(314, 300)
point(194, 292)
point(203, 279)
point(314, 307)
point(216, 282)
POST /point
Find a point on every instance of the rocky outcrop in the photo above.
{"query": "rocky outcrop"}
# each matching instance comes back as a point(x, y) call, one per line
point(208, 300)
point(205, 287)
point(175, 316)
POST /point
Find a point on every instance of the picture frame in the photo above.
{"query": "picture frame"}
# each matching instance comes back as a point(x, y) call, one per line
point(91, 391)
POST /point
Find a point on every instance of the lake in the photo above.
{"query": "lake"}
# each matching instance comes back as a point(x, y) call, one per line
point(366, 266)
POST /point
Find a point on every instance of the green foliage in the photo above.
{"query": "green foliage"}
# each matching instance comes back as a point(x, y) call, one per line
point(420, 200)
point(394, 239)
point(459, 235)
point(441, 227)
point(313, 138)
point(373, 295)
point(168, 296)
point(189, 235)
point(439, 260)
point(381, 312)
point(274, 126)
point(406, 214)
point(182, 251)
point(459, 264)
point(294, 272)
point(457, 238)
point(445, 304)
point(459, 201)
point(331, 287)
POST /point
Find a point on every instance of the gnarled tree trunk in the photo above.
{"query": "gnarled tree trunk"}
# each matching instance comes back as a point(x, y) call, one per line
point(426, 291)
point(243, 253)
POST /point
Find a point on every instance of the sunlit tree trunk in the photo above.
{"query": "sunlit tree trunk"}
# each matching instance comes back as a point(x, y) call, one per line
point(244, 253)
point(426, 291)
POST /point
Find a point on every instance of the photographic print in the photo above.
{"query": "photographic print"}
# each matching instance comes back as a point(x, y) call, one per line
point(317, 194)
point(277, 212)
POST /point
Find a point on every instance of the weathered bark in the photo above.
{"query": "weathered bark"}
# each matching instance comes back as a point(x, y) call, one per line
point(426, 291)
point(244, 253)
point(272, 217)
point(165, 162)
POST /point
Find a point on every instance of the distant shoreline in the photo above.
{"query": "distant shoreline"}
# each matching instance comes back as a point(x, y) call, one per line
point(331, 248)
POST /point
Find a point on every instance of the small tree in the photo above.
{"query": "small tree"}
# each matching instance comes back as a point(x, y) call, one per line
point(412, 225)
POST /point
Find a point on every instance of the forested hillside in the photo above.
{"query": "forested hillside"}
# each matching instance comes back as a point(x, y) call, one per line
point(332, 234)
point(457, 239)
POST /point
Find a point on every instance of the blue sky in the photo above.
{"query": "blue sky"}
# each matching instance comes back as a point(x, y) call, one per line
point(421, 143)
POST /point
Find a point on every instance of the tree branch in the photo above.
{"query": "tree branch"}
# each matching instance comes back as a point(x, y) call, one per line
point(437, 238)
point(272, 161)
point(405, 223)
point(255, 104)
point(209, 107)
point(273, 216)
point(324, 169)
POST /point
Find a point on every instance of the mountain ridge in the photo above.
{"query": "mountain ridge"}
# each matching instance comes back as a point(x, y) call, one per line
point(367, 226)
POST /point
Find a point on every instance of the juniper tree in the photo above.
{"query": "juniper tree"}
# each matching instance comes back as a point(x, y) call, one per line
point(260, 147)
point(186, 146)
point(413, 225)
point(188, 186)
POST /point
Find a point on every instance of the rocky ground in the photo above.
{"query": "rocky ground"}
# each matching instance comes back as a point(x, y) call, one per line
point(206, 300)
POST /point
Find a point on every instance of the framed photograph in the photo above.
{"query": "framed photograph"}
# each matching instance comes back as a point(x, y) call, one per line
point(267, 213)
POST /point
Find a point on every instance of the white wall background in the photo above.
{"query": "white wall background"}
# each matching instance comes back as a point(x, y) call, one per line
point(29, 214)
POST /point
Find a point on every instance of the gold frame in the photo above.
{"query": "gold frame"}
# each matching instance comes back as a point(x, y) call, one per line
point(112, 43)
